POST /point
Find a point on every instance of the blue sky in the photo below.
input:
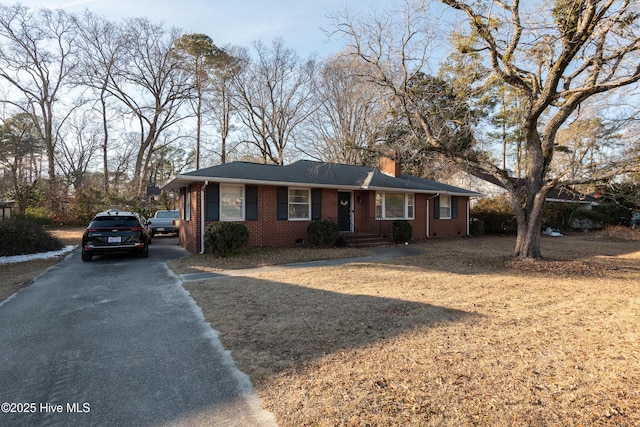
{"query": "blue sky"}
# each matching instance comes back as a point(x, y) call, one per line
point(234, 22)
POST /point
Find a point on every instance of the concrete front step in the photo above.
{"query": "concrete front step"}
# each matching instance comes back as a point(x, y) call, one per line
point(364, 240)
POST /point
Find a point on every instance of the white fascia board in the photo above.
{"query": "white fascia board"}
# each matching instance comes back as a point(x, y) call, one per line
point(181, 181)
point(420, 191)
point(191, 179)
point(581, 202)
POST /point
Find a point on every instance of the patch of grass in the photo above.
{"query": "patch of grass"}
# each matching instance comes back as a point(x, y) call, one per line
point(15, 276)
point(459, 335)
point(260, 257)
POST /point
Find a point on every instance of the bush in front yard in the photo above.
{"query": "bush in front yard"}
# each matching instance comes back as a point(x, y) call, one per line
point(476, 227)
point(22, 237)
point(323, 233)
point(223, 238)
point(402, 231)
point(496, 214)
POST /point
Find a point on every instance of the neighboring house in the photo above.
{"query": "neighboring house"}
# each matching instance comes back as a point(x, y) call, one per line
point(6, 209)
point(277, 203)
point(489, 186)
point(485, 184)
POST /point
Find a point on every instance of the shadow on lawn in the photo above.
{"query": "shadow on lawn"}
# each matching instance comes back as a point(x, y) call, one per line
point(495, 255)
point(272, 326)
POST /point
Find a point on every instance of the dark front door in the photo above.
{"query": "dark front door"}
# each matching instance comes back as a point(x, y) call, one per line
point(344, 211)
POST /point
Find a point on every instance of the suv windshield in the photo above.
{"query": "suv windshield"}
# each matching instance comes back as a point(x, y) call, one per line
point(114, 221)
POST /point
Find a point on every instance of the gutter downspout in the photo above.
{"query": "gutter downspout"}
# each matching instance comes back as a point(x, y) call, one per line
point(468, 215)
point(202, 215)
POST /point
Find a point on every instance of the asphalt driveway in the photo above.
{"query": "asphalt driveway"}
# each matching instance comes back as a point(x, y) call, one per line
point(117, 342)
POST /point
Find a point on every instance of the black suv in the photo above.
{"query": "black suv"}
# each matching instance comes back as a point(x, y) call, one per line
point(115, 231)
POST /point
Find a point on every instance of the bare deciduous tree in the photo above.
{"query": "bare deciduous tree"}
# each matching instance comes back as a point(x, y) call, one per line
point(37, 58)
point(584, 147)
point(101, 49)
point(556, 56)
point(77, 149)
point(273, 97)
point(348, 122)
point(152, 83)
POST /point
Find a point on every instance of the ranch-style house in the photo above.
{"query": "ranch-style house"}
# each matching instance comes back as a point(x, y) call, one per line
point(277, 203)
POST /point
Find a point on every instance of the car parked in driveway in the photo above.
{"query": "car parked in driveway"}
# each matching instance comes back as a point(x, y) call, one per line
point(115, 231)
point(165, 221)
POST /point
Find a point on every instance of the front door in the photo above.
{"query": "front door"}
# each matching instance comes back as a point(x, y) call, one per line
point(344, 210)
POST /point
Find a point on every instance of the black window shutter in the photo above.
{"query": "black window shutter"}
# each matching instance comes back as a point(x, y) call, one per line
point(251, 201)
point(454, 207)
point(436, 207)
point(213, 202)
point(316, 203)
point(283, 203)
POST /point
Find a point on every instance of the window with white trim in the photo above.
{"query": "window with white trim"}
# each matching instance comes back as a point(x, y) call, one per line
point(299, 203)
point(231, 203)
point(186, 214)
point(445, 207)
point(395, 205)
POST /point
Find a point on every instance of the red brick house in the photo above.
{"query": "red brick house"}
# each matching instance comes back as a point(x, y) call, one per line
point(277, 203)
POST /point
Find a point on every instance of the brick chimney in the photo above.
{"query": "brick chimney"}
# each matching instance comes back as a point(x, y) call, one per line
point(390, 164)
point(599, 191)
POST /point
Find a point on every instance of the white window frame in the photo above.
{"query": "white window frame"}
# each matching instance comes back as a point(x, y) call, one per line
point(187, 203)
point(242, 203)
point(445, 208)
point(289, 203)
point(409, 201)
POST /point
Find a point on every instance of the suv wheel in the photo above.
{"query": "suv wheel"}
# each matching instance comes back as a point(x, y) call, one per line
point(87, 256)
point(145, 252)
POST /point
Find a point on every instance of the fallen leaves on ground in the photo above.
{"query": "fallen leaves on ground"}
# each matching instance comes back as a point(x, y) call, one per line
point(460, 335)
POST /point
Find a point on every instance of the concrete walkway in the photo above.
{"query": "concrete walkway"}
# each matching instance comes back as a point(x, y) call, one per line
point(376, 254)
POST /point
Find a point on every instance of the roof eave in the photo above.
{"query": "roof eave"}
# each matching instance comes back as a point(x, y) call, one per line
point(184, 180)
point(584, 202)
point(181, 181)
point(425, 191)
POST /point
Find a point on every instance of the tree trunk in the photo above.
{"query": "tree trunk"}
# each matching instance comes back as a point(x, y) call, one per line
point(529, 228)
point(105, 148)
point(225, 127)
point(528, 197)
point(142, 158)
point(54, 198)
point(198, 126)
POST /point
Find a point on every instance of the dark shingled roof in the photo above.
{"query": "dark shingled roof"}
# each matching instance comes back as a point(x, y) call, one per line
point(314, 174)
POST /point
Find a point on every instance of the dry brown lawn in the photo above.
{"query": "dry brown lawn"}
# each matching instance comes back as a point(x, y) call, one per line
point(19, 275)
point(459, 335)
